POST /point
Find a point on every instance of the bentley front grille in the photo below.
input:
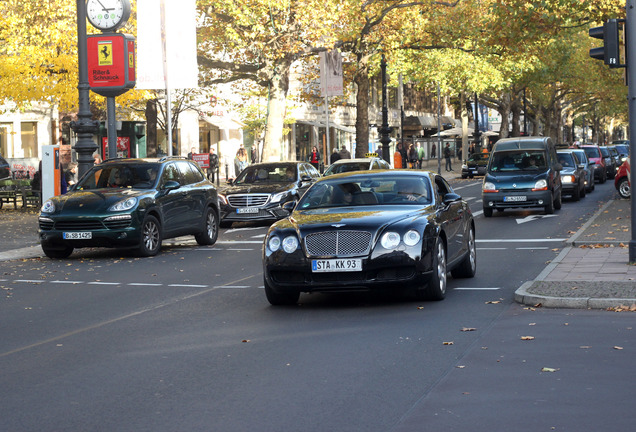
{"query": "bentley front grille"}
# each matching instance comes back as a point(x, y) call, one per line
point(338, 243)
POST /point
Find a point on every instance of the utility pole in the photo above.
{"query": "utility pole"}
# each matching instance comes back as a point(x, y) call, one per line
point(384, 129)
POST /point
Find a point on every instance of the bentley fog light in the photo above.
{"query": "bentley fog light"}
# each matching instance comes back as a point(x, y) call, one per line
point(411, 238)
point(390, 240)
point(290, 244)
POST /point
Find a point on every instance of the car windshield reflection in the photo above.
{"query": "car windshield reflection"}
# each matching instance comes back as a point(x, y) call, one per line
point(505, 161)
point(142, 176)
point(267, 174)
point(379, 191)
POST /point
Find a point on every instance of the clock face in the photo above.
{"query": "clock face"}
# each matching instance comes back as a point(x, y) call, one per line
point(108, 14)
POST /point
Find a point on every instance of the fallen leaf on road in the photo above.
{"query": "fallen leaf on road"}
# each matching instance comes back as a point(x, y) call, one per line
point(547, 369)
point(246, 340)
point(618, 348)
point(527, 337)
point(449, 343)
point(460, 367)
point(466, 329)
point(585, 347)
point(493, 302)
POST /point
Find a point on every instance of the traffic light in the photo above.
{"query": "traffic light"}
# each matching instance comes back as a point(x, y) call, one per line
point(610, 52)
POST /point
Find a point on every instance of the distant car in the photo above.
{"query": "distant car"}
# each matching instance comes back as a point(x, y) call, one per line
point(475, 165)
point(594, 154)
point(623, 152)
point(622, 181)
point(359, 164)
point(589, 167)
point(260, 191)
point(375, 230)
point(5, 169)
point(523, 172)
point(573, 174)
point(131, 203)
point(610, 162)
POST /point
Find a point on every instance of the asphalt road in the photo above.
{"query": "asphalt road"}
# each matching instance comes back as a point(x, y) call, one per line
point(186, 341)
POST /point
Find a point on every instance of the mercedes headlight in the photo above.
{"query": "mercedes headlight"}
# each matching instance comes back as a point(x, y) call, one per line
point(278, 197)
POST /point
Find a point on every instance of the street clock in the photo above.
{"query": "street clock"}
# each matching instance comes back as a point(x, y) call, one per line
point(108, 15)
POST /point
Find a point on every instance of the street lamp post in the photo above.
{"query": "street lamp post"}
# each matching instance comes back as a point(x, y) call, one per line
point(384, 129)
point(84, 127)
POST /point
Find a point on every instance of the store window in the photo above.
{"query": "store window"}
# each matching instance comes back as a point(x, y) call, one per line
point(29, 139)
point(6, 139)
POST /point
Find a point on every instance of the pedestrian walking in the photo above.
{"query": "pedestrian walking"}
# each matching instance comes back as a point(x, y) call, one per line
point(433, 151)
point(447, 156)
point(213, 164)
point(421, 155)
point(335, 156)
point(412, 156)
point(344, 153)
point(241, 156)
point(314, 157)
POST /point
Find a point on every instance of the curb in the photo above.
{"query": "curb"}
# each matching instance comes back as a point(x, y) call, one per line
point(523, 296)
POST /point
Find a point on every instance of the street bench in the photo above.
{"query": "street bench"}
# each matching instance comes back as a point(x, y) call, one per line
point(13, 191)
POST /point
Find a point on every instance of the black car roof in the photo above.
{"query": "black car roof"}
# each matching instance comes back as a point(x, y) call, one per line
point(518, 143)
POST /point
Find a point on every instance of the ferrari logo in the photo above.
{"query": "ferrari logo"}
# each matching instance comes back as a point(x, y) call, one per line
point(105, 53)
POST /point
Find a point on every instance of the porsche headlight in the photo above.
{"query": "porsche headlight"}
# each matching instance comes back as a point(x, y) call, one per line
point(273, 243)
point(48, 207)
point(390, 240)
point(411, 238)
point(278, 197)
point(540, 185)
point(290, 244)
point(124, 205)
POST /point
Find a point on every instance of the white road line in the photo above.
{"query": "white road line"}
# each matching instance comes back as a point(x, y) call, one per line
point(30, 281)
point(104, 283)
point(66, 282)
point(143, 284)
point(237, 249)
point(477, 288)
point(232, 286)
point(478, 212)
point(538, 240)
point(532, 248)
point(188, 286)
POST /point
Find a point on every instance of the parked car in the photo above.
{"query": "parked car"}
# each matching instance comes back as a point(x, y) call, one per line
point(131, 203)
point(359, 164)
point(376, 230)
point(615, 154)
point(573, 174)
point(522, 172)
point(622, 181)
point(260, 191)
point(5, 169)
point(623, 152)
point(609, 161)
point(594, 154)
point(590, 167)
point(475, 165)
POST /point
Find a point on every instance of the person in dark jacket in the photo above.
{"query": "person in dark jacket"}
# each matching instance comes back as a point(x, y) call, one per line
point(335, 156)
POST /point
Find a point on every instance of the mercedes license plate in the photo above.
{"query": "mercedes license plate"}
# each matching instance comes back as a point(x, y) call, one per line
point(515, 198)
point(77, 235)
point(244, 210)
point(336, 265)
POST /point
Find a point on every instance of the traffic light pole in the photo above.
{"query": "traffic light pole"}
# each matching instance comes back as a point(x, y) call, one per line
point(630, 47)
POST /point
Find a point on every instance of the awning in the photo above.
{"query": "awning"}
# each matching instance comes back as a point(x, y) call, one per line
point(428, 121)
point(223, 122)
point(456, 131)
point(331, 125)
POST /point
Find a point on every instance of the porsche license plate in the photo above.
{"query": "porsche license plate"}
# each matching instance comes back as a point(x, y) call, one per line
point(244, 210)
point(77, 235)
point(515, 198)
point(336, 265)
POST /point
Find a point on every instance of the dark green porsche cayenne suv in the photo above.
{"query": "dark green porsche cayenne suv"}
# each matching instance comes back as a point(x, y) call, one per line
point(131, 203)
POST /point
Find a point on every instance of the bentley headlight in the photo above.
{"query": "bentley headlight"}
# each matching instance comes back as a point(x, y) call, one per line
point(124, 205)
point(390, 240)
point(290, 244)
point(540, 185)
point(274, 243)
point(278, 197)
point(48, 207)
point(411, 238)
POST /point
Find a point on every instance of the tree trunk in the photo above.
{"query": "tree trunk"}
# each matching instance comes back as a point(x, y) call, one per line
point(276, 109)
point(516, 119)
point(151, 128)
point(362, 108)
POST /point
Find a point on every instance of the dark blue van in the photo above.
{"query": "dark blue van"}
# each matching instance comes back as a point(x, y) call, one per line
point(523, 172)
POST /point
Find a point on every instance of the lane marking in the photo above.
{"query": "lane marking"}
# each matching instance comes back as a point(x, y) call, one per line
point(104, 283)
point(143, 284)
point(30, 281)
point(532, 248)
point(477, 288)
point(188, 286)
point(66, 282)
point(544, 240)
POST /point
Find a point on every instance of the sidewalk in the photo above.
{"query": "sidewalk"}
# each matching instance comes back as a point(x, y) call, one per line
point(593, 271)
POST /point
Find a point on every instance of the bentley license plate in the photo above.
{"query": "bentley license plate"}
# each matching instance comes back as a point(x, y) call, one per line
point(77, 235)
point(244, 210)
point(515, 198)
point(336, 265)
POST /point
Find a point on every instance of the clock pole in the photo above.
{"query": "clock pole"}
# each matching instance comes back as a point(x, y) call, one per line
point(84, 127)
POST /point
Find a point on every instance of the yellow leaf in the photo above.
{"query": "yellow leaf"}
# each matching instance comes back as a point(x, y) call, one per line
point(527, 337)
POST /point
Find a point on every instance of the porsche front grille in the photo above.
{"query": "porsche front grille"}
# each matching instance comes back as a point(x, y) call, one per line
point(338, 243)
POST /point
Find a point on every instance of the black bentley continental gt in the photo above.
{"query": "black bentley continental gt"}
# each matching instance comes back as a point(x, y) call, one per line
point(382, 229)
